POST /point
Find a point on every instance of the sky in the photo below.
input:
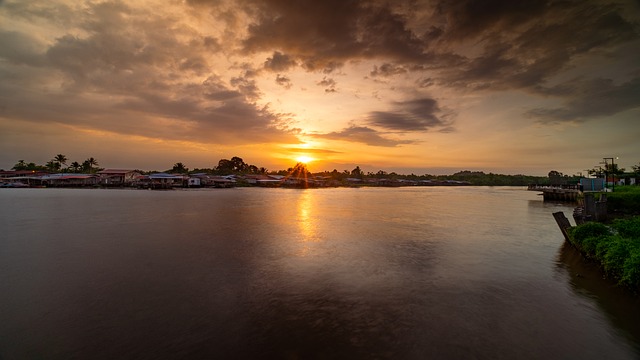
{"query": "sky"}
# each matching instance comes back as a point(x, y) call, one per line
point(411, 86)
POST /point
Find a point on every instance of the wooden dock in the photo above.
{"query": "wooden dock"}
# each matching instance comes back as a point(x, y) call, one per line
point(557, 192)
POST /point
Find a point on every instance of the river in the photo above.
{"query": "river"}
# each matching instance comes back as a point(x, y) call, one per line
point(357, 273)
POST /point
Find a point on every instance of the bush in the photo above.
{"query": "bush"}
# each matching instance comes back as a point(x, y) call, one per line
point(589, 230)
point(631, 275)
point(616, 255)
point(625, 199)
point(629, 228)
point(617, 248)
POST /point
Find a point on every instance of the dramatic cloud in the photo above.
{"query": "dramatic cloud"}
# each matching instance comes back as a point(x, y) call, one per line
point(221, 72)
point(279, 62)
point(414, 115)
point(363, 135)
point(584, 100)
point(386, 70)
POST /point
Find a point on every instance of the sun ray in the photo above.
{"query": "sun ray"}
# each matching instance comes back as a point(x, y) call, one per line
point(304, 159)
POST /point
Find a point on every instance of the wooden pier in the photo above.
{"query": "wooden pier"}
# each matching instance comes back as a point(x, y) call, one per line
point(557, 192)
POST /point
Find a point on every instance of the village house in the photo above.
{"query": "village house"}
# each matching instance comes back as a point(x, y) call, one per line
point(118, 177)
point(69, 180)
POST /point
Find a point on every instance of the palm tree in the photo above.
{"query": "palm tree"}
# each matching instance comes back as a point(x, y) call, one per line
point(88, 164)
point(61, 160)
point(179, 168)
point(53, 166)
point(75, 166)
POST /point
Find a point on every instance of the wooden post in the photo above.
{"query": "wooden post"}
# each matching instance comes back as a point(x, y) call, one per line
point(563, 223)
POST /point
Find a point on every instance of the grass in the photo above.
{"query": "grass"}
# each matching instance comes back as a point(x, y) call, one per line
point(624, 200)
point(616, 246)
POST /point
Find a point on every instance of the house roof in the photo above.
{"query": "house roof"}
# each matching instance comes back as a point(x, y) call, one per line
point(115, 171)
point(66, 176)
point(164, 176)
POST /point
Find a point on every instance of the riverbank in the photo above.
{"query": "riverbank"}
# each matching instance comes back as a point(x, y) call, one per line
point(616, 246)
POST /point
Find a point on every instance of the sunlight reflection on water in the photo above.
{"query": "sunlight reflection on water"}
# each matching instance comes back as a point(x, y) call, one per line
point(321, 273)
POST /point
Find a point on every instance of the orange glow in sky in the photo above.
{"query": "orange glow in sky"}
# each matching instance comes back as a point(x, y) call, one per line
point(420, 87)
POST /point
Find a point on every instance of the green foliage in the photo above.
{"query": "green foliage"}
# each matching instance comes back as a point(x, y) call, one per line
point(615, 256)
point(588, 230)
point(629, 228)
point(616, 247)
point(631, 269)
point(491, 179)
point(625, 199)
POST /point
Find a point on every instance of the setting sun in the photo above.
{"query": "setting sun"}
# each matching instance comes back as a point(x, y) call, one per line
point(304, 159)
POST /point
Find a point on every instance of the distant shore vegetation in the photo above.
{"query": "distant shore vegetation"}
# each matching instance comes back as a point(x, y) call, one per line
point(237, 166)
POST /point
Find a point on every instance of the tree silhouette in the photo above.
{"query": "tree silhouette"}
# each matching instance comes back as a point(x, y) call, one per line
point(179, 168)
point(300, 170)
point(20, 165)
point(53, 165)
point(87, 165)
point(61, 160)
point(636, 169)
point(75, 166)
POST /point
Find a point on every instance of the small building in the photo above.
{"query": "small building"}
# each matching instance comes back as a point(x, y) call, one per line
point(265, 180)
point(194, 182)
point(118, 177)
point(592, 184)
point(69, 180)
point(160, 181)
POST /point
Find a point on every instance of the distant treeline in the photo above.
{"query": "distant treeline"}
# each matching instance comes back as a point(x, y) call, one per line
point(236, 165)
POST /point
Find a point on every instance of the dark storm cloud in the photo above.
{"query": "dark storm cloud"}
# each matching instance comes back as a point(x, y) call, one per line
point(325, 34)
point(414, 115)
point(516, 44)
point(363, 134)
point(525, 43)
point(586, 99)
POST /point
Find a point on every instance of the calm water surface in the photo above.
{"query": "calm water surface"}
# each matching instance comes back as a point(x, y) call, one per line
point(404, 273)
